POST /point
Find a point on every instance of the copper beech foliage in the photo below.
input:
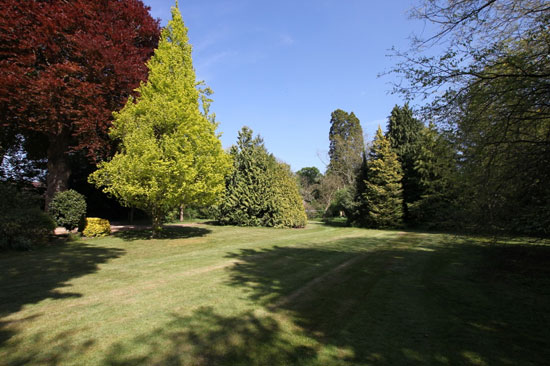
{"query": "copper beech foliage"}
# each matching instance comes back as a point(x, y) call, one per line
point(65, 66)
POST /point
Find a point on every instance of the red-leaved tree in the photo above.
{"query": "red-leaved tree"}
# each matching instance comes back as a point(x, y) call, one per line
point(65, 66)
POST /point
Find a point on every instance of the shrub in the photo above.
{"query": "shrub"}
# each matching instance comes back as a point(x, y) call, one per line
point(97, 227)
point(68, 209)
point(22, 223)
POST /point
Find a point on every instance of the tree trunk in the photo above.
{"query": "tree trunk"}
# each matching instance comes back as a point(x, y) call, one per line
point(181, 212)
point(156, 217)
point(131, 215)
point(58, 166)
point(2, 153)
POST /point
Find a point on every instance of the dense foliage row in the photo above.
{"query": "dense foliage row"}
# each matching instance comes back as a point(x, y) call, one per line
point(407, 176)
point(482, 163)
point(495, 69)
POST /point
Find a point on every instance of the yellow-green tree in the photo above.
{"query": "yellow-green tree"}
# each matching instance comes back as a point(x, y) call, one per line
point(288, 204)
point(169, 152)
point(383, 195)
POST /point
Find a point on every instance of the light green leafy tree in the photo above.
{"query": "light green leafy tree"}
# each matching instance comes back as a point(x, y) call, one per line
point(383, 194)
point(288, 203)
point(170, 154)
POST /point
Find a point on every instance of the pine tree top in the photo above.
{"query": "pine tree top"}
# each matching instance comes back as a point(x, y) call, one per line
point(170, 96)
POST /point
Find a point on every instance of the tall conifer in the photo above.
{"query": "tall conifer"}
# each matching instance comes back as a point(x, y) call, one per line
point(359, 211)
point(404, 135)
point(383, 195)
point(169, 152)
point(436, 166)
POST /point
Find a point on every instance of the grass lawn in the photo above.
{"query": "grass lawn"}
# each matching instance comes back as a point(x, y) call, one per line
point(324, 295)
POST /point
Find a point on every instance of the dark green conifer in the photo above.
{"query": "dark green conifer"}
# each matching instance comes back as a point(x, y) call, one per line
point(436, 167)
point(404, 132)
point(260, 191)
point(358, 215)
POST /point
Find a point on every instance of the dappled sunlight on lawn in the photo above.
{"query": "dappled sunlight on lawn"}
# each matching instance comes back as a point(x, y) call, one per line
point(245, 296)
point(207, 338)
point(439, 303)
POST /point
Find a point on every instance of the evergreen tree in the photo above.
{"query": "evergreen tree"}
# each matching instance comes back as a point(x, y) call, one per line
point(359, 211)
point(346, 146)
point(169, 151)
point(492, 63)
point(287, 202)
point(247, 187)
point(383, 196)
point(403, 133)
point(436, 166)
point(260, 191)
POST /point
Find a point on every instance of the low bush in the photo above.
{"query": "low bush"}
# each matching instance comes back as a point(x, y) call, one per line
point(22, 223)
point(68, 209)
point(97, 227)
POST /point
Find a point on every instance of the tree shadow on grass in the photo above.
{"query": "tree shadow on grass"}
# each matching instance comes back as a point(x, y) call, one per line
point(168, 232)
point(207, 338)
point(411, 301)
point(30, 277)
point(50, 351)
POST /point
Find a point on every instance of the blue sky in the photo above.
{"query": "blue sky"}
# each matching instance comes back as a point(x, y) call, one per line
point(281, 67)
